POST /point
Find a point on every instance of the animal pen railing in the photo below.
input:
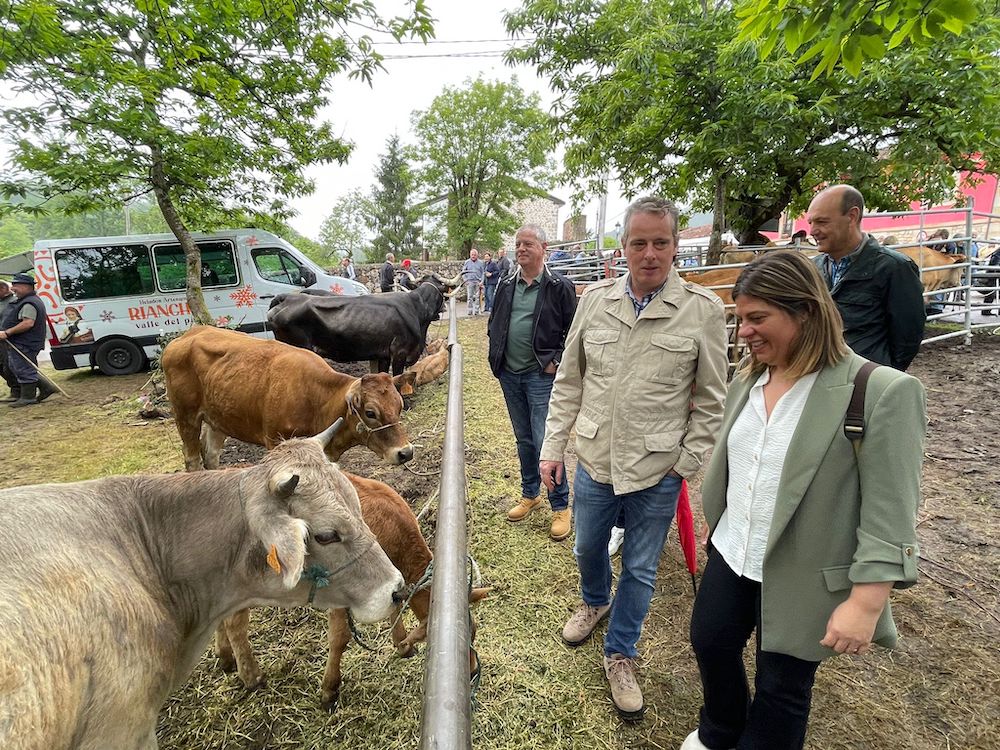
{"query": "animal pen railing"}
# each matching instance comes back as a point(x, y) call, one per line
point(976, 291)
point(447, 711)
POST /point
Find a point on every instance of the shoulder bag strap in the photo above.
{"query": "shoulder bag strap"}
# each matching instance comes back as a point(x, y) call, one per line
point(854, 419)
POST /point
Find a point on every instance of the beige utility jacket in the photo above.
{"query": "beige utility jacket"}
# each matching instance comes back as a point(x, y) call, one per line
point(645, 394)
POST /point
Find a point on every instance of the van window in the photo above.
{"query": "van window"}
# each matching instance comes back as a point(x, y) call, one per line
point(218, 265)
point(275, 264)
point(107, 271)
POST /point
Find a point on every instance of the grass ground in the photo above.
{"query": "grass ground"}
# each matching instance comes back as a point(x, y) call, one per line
point(940, 689)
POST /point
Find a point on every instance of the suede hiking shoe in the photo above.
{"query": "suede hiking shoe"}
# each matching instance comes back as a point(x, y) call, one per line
point(581, 625)
point(561, 524)
point(524, 506)
point(625, 692)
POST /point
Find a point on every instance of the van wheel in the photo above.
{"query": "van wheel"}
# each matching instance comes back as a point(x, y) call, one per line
point(119, 357)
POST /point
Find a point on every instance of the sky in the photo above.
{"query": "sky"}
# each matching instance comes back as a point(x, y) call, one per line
point(368, 116)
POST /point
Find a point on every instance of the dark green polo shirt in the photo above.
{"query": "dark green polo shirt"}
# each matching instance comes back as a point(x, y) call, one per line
point(519, 356)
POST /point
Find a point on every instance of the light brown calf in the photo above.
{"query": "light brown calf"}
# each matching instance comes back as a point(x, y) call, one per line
point(927, 258)
point(394, 525)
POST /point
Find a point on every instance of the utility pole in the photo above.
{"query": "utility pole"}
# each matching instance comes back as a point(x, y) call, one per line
point(128, 219)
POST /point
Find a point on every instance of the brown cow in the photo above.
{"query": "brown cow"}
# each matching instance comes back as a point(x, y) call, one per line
point(394, 525)
point(222, 382)
point(427, 369)
point(721, 277)
point(927, 258)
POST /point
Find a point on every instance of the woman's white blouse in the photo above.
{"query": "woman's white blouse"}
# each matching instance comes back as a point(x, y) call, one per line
point(757, 447)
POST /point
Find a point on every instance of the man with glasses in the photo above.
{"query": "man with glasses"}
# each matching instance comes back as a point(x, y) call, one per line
point(642, 379)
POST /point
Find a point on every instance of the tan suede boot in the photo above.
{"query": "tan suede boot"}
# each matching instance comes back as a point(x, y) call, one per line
point(523, 508)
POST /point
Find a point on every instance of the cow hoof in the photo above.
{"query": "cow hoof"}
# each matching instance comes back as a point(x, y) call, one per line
point(254, 681)
point(227, 662)
point(329, 700)
point(406, 650)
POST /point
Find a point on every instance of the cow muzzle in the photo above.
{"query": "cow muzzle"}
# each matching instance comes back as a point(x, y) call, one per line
point(399, 456)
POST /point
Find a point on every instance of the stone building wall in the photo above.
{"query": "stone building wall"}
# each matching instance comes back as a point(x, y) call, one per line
point(543, 211)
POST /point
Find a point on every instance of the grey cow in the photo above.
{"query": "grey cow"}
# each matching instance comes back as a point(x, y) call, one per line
point(112, 588)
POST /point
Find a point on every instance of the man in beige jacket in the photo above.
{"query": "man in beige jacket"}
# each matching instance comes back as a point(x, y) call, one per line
point(643, 378)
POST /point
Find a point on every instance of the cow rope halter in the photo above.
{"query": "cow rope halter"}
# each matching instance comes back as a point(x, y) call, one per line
point(363, 428)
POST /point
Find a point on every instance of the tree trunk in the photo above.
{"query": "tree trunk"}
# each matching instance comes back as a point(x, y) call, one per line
point(192, 257)
point(718, 222)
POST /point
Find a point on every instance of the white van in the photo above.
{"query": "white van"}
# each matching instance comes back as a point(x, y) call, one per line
point(109, 298)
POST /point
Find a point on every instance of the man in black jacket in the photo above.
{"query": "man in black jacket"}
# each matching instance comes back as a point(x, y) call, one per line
point(23, 326)
point(877, 290)
point(387, 275)
point(531, 315)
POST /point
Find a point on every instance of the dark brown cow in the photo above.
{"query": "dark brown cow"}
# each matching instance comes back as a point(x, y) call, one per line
point(222, 382)
point(397, 531)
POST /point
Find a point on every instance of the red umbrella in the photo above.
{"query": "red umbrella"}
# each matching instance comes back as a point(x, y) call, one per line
point(685, 531)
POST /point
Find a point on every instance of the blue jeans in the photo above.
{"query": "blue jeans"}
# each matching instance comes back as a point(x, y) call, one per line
point(527, 396)
point(648, 514)
point(491, 291)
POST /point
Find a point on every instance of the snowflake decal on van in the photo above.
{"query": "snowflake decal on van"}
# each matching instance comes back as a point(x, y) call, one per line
point(107, 316)
point(244, 297)
point(336, 289)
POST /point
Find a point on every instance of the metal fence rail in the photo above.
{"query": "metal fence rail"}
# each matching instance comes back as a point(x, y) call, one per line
point(447, 712)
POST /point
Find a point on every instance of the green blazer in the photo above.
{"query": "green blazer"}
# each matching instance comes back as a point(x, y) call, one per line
point(838, 519)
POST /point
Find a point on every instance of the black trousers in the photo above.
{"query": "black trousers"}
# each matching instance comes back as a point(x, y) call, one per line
point(726, 612)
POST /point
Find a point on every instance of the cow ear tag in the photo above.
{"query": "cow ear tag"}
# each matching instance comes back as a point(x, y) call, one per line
point(272, 560)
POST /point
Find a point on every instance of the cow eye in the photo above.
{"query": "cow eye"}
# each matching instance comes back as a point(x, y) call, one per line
point(327, 537)
point(370, 413)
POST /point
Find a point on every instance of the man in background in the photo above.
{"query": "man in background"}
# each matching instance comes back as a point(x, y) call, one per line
point(877, 290)
point(387, 275)
point(23, 326)
point(472, 274)
point(6, 299)
point(532, 313)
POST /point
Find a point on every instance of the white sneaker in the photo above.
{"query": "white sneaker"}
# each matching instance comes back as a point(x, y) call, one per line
point(615, 542)
point(693, 742)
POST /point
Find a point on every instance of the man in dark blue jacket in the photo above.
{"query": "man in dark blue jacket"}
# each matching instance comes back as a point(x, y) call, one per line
point(23, 326)
point(877, 290)
point(531, 315)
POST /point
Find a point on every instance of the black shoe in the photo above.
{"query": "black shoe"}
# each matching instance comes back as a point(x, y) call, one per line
point(15, 394)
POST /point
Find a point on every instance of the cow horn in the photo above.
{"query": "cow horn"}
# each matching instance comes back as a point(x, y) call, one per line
point(328, 434)
point(455, 282)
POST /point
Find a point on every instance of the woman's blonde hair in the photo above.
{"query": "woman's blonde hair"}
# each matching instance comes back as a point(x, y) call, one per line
point(791, 282)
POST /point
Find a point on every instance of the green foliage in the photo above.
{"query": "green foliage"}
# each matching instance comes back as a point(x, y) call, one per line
point(212, 106)
point(15, 236)
point(660, 94)
point(345, 228)
point(223, 97)
point(396, 224)
point(849, 32)
point(482, 147)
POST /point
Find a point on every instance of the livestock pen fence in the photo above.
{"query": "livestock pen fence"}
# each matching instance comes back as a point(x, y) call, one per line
point(447, 708)
point(962, 304)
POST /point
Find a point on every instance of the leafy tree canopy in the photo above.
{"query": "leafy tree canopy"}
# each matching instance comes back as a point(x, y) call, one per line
point(482, 147)
point(345, 228)
point(212, 107)
point(848, 31)
point(660, 94)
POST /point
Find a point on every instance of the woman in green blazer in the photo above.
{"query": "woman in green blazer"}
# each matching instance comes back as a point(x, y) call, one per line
point(809, 530)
